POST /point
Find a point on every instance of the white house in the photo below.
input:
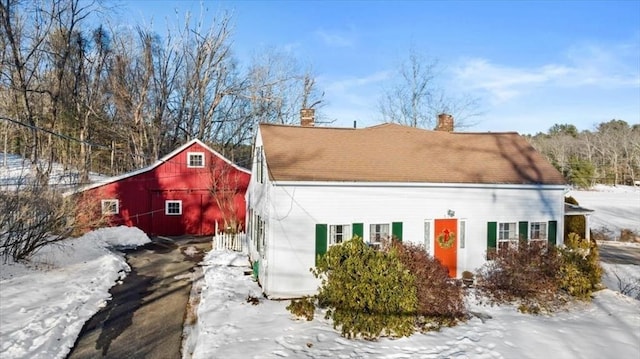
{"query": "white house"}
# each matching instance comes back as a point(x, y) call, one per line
point(458, 194)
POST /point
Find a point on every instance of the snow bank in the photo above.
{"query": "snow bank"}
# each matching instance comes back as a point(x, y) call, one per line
point(45, 302)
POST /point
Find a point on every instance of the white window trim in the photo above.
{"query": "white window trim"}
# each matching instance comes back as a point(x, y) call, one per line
point(166, 207)
point(107, 202)
point(512, 241)
point(546, 231)
point(346, 233)
point(192, 154)
point(428, 228)
point(382, 238)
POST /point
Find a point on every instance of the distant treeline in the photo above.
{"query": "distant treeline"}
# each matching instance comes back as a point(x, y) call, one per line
point(610, 154)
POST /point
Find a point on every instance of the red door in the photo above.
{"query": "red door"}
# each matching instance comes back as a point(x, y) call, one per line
point(446, 243)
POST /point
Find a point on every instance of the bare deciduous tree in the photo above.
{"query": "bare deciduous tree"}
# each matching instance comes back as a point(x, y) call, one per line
point(415, 99)
point(225, 188)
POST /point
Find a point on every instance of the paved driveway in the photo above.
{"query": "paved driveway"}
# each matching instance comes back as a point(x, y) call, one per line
point(145, 317)
point(619, 253)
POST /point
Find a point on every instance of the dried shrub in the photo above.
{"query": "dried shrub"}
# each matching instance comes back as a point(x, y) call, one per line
point(303, 307)
point(253, 299)
point(527, 275)
point(627, 235)
point(88, 213)
point(627, 285)
point(368, 293)
point(602, 234)
point(31, 216)
point(440, 298)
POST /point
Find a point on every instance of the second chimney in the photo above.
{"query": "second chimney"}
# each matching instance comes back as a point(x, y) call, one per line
point(445, 123)
point(307, 117)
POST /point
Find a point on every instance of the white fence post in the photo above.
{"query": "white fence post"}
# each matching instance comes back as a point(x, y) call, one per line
point(235, 242)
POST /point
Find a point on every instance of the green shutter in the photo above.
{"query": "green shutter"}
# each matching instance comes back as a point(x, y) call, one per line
point(396, 230)
point(256, 269)
point(321, 240)
point(358, 230)
point(553, 232)
point(492, 235)
point(524, 230)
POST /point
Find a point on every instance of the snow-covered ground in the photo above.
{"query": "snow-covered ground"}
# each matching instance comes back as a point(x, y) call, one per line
point(616, 208)
point(17, 169)
point(44, 304)
point(230, 327)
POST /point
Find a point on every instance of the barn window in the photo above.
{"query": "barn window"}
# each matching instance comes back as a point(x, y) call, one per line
point(195, 159)
point(173, 208)
point(110, 206)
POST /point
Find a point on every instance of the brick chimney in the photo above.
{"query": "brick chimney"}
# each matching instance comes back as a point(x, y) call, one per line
point(445, 123)
point(307, 117)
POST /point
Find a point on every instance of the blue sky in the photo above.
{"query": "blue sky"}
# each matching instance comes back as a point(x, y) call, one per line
point(532, 63)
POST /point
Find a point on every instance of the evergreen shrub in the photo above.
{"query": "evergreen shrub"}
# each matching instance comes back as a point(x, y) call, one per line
point(368, 293)
point(581, 272)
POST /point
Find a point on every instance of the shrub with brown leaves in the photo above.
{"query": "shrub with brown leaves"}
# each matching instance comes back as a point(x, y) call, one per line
point(528, 275)
point(440, 298)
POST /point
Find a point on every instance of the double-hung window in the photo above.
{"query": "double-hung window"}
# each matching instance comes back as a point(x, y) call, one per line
point(507, 235)
point(339, 233)
point(195, 159)
point(173, 208)
point(538, 231)
point(378, 233)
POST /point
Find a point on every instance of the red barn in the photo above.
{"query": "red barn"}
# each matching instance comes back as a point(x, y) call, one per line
point(192, 190)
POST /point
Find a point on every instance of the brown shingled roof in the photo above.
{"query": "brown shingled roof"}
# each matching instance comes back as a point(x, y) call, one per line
point(395, 153)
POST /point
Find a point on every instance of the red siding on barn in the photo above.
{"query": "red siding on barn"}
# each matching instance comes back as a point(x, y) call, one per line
point(211, 196)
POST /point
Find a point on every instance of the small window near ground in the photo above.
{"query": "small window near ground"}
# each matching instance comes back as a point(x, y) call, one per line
point(173, 208)
point(110, 206)
point(195, 159)
point(378, 233)
point(538, 231)
point(507, 235)
point(339, 233)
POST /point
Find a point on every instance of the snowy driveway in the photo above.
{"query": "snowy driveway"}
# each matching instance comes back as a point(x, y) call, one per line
point(145, 317)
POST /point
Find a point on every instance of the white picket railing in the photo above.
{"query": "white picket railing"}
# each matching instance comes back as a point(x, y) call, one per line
point(235, 242)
